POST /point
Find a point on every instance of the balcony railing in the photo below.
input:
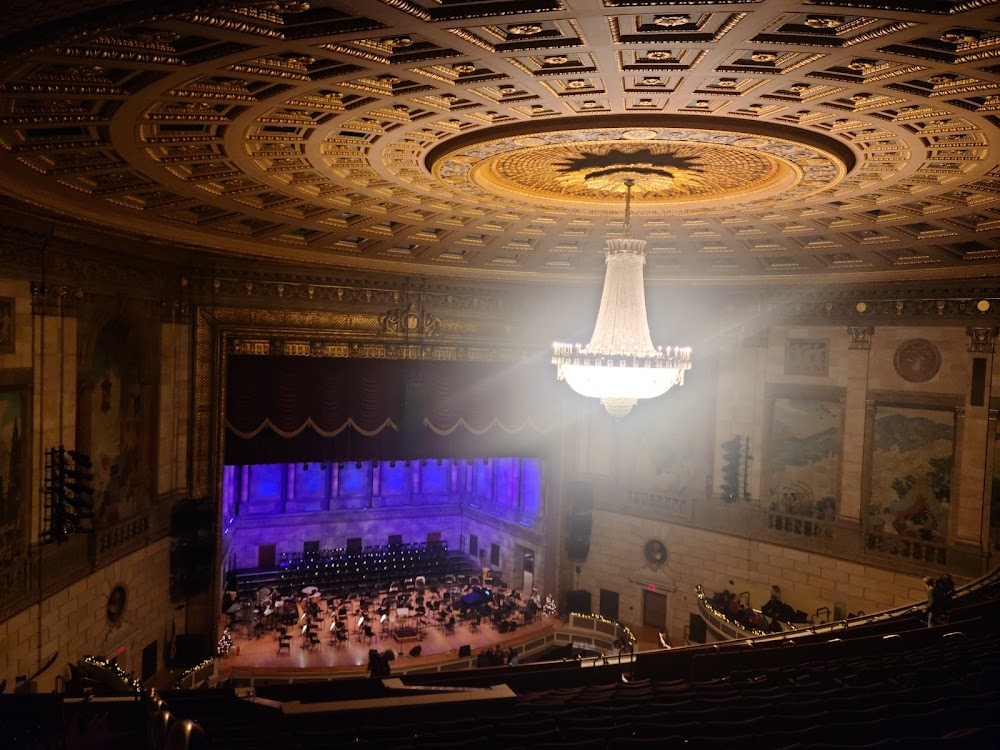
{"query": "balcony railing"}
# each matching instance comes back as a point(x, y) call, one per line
point(845, 539)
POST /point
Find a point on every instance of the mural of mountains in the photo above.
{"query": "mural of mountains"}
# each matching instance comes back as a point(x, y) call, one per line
point(909, 433)
point(802, 451)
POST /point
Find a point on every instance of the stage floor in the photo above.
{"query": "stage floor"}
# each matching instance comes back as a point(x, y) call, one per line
point(351, 657)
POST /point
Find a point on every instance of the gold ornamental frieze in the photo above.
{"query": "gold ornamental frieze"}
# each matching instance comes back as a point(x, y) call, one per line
point(267, 346)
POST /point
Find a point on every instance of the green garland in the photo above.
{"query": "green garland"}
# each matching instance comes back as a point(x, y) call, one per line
point(187, 673)
point(629, 638)
point(112, 666)
point(722, 616)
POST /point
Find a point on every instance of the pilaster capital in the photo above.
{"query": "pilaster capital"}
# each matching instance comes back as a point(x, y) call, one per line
point(861, 337)
point(55, 299)
point(982, 338)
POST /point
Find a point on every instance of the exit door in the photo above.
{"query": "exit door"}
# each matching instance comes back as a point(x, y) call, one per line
point(654, 609)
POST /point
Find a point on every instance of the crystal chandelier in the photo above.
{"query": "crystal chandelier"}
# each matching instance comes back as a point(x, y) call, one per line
point(620, 365)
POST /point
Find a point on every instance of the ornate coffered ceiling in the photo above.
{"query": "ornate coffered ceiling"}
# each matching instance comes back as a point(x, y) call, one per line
point(769, 139)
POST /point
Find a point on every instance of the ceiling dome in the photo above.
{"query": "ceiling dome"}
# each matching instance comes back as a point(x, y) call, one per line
point(767, 141)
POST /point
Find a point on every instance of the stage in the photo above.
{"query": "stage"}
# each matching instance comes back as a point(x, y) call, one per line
point(258, 653)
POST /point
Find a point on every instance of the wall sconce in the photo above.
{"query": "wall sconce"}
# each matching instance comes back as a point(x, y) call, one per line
point(357, 464)
point(340, 465)
point(305, 467)
point(392, 464)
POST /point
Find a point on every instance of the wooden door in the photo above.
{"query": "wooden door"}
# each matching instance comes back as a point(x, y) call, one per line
point(654, 609)
point(266, 554)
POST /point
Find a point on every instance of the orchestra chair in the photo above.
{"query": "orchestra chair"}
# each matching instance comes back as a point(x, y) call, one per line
point(367, 633)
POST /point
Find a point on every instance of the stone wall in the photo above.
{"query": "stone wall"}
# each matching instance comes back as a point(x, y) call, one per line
point(718, 561)
point(332, 530)
point(74, 621)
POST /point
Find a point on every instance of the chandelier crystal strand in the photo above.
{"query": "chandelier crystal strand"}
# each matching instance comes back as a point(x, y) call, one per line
point(620, 365)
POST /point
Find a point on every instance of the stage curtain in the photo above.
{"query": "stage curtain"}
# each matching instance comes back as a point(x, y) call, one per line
point(287, 409)
point(281, 409)
point(476, 409)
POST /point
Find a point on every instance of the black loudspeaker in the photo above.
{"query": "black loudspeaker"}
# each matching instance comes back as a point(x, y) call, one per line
point(580, 507)
point(415, 651)
point(578, 601)
point(465, 651)
point(578, 536)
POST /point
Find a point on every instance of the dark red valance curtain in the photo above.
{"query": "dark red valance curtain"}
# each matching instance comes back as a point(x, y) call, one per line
point(281, 409)
point(287, 409)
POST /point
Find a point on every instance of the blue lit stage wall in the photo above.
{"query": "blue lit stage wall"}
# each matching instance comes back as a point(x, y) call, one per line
point(510, 488)
point(292, 409)
point(288, 504)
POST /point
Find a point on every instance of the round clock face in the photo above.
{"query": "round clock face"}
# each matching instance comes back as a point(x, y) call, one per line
point(116, 603)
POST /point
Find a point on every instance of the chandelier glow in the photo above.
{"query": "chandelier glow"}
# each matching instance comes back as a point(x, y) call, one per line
point(620, 365)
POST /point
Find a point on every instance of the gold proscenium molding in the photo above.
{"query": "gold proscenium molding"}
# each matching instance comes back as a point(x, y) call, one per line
point(469, 333)
point(409, 322)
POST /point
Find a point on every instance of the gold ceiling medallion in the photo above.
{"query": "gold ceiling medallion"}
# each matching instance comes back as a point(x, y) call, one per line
point(674, 168)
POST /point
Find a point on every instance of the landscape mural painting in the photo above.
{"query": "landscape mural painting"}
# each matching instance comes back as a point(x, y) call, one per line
point(14, 506)
point(662, 451)
point(803, 457)
point(106, 431)
point(911, 472)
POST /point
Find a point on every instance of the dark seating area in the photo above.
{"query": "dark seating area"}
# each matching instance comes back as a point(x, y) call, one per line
point(884, 683)
point(881, 683)
point(373, 568)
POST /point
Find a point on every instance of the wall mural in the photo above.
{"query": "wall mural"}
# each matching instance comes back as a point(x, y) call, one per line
point(803, 457)
point(911, 472)
point(119, 427)
point(661, 445)
point(14, 505)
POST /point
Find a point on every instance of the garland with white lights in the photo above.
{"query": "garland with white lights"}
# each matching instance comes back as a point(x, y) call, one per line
point(723, 616)
point(627, 637)
point(188, 672)
point(99, 663)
